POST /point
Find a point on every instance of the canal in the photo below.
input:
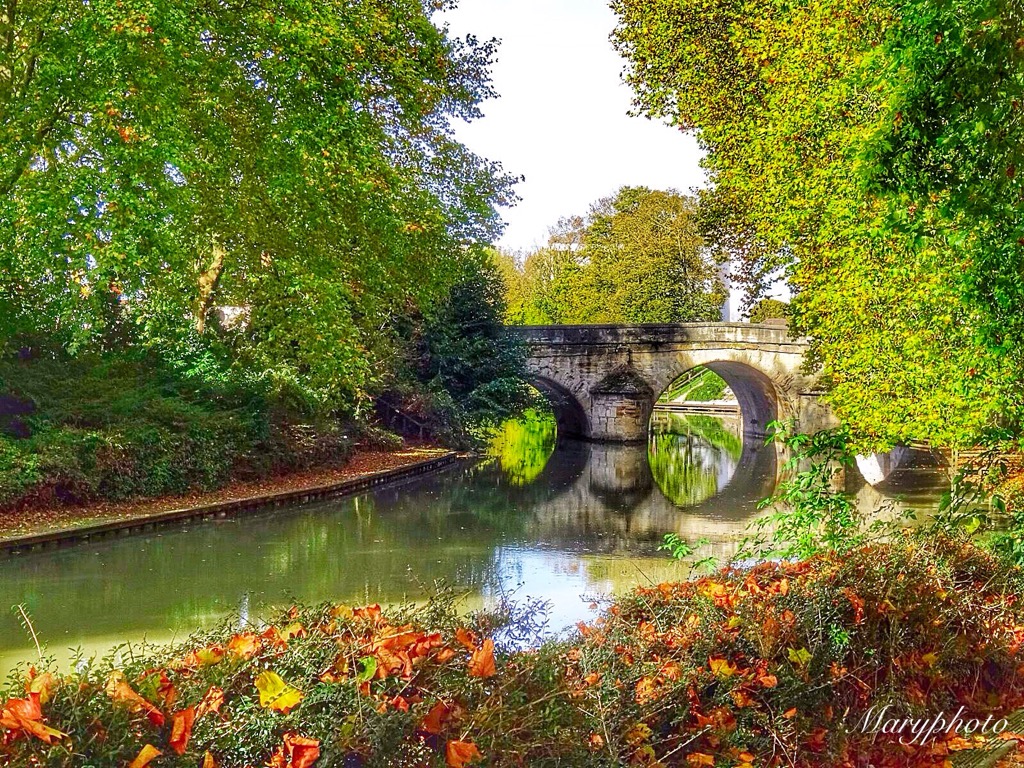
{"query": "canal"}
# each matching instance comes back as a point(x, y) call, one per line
point(561, 523)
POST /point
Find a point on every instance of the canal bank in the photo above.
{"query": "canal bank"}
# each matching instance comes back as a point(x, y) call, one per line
point(54, 526)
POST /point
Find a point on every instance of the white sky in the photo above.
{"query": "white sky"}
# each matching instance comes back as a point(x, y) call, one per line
point(561, 117)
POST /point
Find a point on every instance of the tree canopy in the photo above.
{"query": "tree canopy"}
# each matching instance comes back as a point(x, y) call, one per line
point(291, 159)
point(872, 149)
point(636, 257)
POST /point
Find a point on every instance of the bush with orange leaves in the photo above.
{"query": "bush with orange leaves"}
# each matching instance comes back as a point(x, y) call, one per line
point(773, 666)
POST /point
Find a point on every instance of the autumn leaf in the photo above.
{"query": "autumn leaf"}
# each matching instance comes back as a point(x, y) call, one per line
point(768, 681)
point(369, 613)
point(118, 689)
point(444, 655)
point(741, 698)
point(43, 684)
point(25, 716)
point(461, 753)
point(212, 701)
point(722, 668)
point(436, 718)
point(244, 645)
point(700, 758)
point(302, 751)
point(208, 761)
point(146, 755)
point(276, 694)
point(801, 657)
point(466, 638)
point(204, 657)
point(181, 729)
point(481, 663)
point(646, 690)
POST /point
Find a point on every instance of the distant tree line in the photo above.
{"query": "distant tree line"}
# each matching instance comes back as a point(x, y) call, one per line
point(635, 257)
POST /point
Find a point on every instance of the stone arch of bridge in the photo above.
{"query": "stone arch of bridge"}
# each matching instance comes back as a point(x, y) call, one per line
point(760, 400)
point(570, 415)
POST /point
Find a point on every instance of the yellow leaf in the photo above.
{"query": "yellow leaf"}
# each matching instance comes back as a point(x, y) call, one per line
point(43, 685)
point(276, 694)
point(146, 755)
point(800, 657)
point(722, 667)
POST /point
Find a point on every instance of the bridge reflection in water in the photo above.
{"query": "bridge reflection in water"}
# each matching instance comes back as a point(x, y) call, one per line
point(549, 522)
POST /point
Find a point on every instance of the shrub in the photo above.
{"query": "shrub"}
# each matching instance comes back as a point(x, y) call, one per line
point(122, 428)
point(774, 665)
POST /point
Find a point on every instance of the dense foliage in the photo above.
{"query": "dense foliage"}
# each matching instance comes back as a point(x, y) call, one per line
point(636, 257)
point(292, 162)
point(81, 429)
point(221, 219)
point(463, 371)
point(779, 664)
point(873, 149)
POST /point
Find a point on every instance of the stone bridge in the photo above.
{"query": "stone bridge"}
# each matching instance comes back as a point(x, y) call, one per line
point(603, 380)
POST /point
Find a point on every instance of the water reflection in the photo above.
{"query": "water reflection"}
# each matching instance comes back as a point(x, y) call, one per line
point(549, 522)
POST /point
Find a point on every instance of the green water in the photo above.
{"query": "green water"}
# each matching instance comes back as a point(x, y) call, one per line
point(557, 523)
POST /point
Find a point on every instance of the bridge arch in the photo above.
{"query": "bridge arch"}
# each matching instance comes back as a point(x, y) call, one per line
point(570, 415)
point(759, 399)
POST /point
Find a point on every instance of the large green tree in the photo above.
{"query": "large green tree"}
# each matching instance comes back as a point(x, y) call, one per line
point(290, 158)
point(871, 148)
point(637, 257)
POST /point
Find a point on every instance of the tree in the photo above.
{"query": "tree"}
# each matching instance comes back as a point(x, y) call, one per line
point(294, 159)
point(870, 148)
point(466, 358)
point(767, 309)
point(637, 257)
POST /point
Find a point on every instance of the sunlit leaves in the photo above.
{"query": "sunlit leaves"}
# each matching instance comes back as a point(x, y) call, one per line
point(161, 160)
point(637, 257)
point(873, 148)
point(146, 755)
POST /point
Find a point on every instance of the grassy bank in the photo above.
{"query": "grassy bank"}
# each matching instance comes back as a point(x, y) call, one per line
point(78, 430)
point(778, 665)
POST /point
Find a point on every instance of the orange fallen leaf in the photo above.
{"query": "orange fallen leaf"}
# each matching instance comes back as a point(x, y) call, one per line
point(181, 729)
point(25, 716)
point(466, 638)
point(302, 751)
point(461, 753)
point(699, 758)
point(212, 701)
point(481, 663)
point(244, 645)
point(436, 718)
point(208, 761)
point(42, 684)
point(768, 681)
point(370, 613)
point(146, 755)
point(445, 654)
point(118, 689)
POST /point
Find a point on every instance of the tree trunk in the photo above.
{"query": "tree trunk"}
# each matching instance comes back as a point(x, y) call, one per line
point(208, 283)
